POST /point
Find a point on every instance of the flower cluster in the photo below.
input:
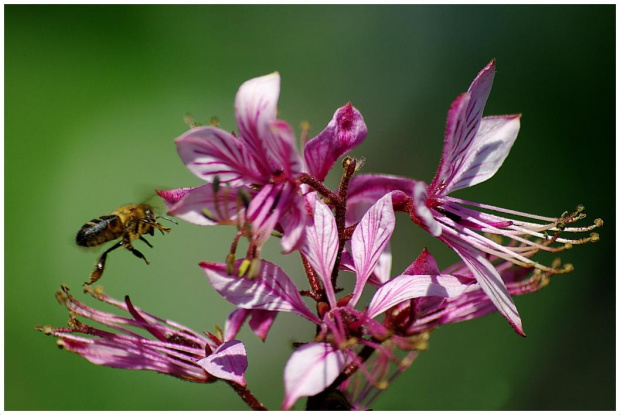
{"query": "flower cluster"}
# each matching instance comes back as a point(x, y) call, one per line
point(257, 180)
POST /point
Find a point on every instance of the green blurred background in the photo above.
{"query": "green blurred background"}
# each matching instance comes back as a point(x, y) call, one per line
point(95, 96)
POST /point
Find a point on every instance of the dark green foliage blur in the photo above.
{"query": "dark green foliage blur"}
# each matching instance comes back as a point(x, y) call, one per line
point(95, 95)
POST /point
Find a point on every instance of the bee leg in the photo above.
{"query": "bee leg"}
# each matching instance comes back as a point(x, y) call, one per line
point(137, 253)
point(100, 265)
point(145, 241)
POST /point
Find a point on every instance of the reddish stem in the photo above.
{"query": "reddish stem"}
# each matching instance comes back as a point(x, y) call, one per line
point(247, 397)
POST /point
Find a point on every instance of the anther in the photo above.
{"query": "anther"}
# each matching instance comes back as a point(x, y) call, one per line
point(230, 263)
point(568, 245)
point(360, 164)
point(243, 268)
point(382, 385)
point(580, 208)
point(598, 222)
point(208, 214)
point(556, 263)
point(594, 237)
point(61, 344)
point(245, 197)
point(254, 268)
point(214, 121)
point(216, 183)
point(189, 120)
point(568, 268)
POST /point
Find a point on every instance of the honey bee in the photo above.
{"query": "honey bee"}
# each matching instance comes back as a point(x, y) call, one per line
point(129, 223)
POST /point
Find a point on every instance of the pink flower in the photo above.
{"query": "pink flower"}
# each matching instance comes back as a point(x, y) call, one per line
point(342, 329)
point(261, 164)
point(474, 149)
point(174, 349)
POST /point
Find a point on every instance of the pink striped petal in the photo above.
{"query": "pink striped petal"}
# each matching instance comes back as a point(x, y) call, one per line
point(344, 132)
point(310, 369)
point(489, 279)
point(321, 245)
point(209, 151)
point(270, 290)
point(194, 205)
point(279, 141)
point(487, 152)
point(422, 212)
point(256, 106)
point(369, 239)
point(406, 287)
point(229, 362)
point(368, 188)
point(293, 222)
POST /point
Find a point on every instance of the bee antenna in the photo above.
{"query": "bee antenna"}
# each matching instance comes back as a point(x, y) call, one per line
point(168, 219)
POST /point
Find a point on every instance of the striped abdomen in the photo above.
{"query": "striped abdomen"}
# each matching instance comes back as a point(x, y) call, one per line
point(100, 230)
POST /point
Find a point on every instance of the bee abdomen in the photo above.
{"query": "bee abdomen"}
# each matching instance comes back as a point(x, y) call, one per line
point(99, 230)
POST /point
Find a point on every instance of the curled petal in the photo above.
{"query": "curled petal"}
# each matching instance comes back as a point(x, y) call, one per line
point(203, 206)
point(209, 151)
point(344, 132)
point(310, 369)
point(172, 196)
point(270, 290)
point(369, 240)
point(368, 188)
point(229, 362)
point(133, 353)
point(406, 287)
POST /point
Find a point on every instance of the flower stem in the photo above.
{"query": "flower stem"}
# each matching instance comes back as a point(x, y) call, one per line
point(348, 165)
point(247, 397)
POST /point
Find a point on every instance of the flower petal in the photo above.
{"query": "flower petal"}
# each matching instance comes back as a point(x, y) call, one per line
point(256, 106)
point(260, 322)
point(310, 369)
point(489, 279)
point(488, 151)
point(278, 203)
point(133, 353)
point(209, 151)
point(368, 188)
point(344, 132)
point(422, 212)
point(474, 148)
point(172, 196)
point(293, 223)
point(229, 362)
point(280, 144)
point(202, 206)
point(271, 289)
point(424, 264)
point(406, 287)
point(321, 245)
point(369, 239)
